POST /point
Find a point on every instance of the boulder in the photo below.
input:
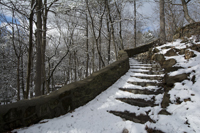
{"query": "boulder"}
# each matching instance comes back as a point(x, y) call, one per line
point(170, 80)
point(166, 100)
point(171, 52)
point(169, 63)
point(189, 54)
point(159, 58)
point(181, 52)
point(171, 69)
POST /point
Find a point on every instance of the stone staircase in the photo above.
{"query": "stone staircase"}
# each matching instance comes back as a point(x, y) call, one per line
point(149, 75)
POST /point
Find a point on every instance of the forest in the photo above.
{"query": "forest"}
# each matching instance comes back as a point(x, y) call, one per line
point(46, 44)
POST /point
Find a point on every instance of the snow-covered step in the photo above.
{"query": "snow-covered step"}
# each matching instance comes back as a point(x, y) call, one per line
point(149, 72)
point(147, 62)
point(147, 68)
point(138, 102)
point(149, 77)
point(132, 116)
point(145, 65)
point(145, 91)
point(144, 84)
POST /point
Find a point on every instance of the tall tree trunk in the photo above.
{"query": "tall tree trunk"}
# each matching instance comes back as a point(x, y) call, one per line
point(75, 67)
point(120, 26)
point(100, 58)
point(186, 14)
point(109, 39)
point(87, 46)
point(22, 76)
point(18, 79)
point(44, 46)
point(38, 78)
point(29, 50)
point(93, 57)
point(134, 43)
point(162, 22)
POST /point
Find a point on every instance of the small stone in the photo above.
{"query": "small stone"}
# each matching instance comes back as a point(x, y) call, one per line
point(189, 54)
point(125, 130)
point(164, 112)
point(155, 50)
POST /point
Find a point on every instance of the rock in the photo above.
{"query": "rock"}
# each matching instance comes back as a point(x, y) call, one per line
point(166, 100)
point(171, 69)
point(155, 50)
point(169, 63)
point(166, 47)
point(164, 112)
point(196, 47)
point(159, 58)
point(187, 99)
point(125, 130)
point(171, 52)
point(184, 40)
point(170, 80)
point(182, 51)
point(189, 54)
point(193, 79)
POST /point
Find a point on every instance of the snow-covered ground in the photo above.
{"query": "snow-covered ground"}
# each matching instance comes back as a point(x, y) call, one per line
point(95, 118)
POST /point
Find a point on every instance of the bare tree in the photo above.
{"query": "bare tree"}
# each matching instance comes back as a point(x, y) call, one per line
point(38, 77)
point(185, 10)
point(30, 48)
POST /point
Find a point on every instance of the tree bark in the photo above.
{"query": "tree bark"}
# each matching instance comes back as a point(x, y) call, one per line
point(120, 25)
point(162, 22)
point(185, 10)
point(109, 39)
point(87, 46)
point(38, 78)
point(135, 34)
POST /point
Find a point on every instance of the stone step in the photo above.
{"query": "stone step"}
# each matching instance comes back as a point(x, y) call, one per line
point(132, 116)
point(147, 61)
point(148, 68)
point(143, 91)
point(149, 77)
point(144, 84)
point(150, 72)
point(138, 102)
point(145, 65)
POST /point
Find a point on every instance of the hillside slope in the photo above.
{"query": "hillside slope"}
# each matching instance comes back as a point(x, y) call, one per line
point(177, 107)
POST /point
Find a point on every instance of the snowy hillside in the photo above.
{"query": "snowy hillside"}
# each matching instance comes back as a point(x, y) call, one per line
point(183, 108)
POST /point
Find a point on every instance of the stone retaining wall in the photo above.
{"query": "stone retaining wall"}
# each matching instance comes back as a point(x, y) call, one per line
point(141, 49)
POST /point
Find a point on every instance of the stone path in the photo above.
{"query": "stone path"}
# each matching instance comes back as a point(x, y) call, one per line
point(151, 75)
